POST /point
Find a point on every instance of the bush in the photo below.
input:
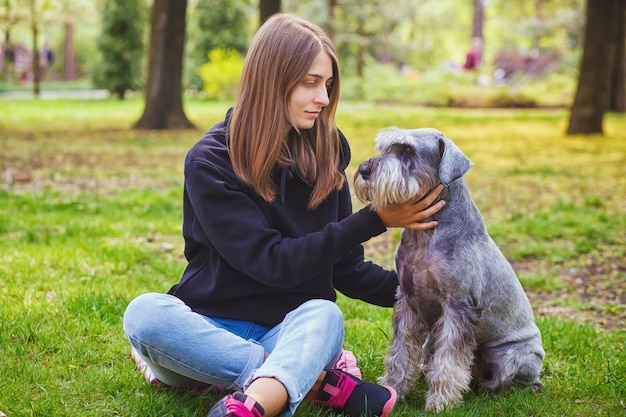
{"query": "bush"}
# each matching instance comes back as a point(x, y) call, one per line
point(214, 23)
point(121, 47)
point(440, 88)
point(383, 83)
point(221, 74)
point(556, 89)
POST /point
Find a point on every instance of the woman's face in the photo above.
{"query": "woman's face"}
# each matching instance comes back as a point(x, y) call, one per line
point(309, 98)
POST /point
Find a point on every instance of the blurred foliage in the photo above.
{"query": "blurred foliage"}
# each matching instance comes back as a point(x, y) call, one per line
point(456, 88)
point(121, 47)
point(212, 24)
point(410, 57)
point(221, 74)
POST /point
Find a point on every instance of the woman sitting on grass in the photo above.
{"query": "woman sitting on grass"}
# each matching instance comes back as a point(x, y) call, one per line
point(269, 236)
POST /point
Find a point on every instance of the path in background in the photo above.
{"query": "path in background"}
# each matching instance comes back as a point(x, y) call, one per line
point(55, 94)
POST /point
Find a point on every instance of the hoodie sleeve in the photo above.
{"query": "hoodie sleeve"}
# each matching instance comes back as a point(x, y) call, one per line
point(364, 280)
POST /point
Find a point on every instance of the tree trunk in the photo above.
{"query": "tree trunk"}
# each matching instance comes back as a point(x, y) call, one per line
point(360, 60)
point(478, 20)
point(69, 58)
point(164, 103)
point(593, 93)
point(36, 62)
point(8, 57)
point(330, 27)
point(617, 100)
point(268, 8)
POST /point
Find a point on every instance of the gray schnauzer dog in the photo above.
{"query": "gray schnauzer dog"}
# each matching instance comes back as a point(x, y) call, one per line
point(461, 317)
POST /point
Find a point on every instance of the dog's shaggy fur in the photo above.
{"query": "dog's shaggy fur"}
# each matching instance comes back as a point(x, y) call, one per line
point(461, 316)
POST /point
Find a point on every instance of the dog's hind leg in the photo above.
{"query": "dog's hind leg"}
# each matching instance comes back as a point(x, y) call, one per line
point(516, 364)
point(404, 357)
point(448, 372)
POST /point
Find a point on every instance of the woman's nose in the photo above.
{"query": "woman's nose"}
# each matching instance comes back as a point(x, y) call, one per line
point(321, 96)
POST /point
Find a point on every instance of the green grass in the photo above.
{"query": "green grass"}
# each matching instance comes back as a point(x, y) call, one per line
point(100, 223)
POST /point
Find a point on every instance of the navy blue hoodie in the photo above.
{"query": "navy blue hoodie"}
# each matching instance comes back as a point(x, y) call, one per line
point(253, 260)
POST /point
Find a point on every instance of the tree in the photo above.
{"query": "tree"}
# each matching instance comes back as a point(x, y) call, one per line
point(479, 19)
point(121, 47)
point(164, 102)
point(39, 13)
point(68, 12)
point(367, 29)
point(617, 101)
point(10, 17)
point(34, 26)
point(330, 24)
point(268, 8)
point(474, 57)
point(69, 57)
point(216, 23)
point(603, 37)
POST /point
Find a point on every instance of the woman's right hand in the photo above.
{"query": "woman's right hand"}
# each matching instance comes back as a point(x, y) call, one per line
point(410, 215)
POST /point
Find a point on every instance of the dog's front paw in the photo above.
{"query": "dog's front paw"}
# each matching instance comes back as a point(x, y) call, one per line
point(438, 401)
point(439, 405)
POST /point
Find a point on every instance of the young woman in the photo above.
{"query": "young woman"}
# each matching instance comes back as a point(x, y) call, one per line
point(269, 237)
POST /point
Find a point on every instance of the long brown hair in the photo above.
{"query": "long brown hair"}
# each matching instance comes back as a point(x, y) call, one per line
point(262, 136)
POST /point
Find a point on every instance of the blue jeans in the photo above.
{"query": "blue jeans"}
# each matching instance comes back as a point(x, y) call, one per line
point(185, 349)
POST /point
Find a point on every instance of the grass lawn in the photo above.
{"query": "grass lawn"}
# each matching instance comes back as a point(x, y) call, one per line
point(99, 223)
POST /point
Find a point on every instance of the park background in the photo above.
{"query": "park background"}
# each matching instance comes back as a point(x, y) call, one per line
point(90, 206)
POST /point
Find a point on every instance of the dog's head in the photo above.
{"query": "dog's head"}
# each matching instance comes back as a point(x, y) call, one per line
point(410, 164)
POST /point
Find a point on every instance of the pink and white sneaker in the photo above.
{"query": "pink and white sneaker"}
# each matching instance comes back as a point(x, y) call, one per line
point(152, 379)
point(353, 397)
point(144, 369)
point(347, 363)
point(237, 405)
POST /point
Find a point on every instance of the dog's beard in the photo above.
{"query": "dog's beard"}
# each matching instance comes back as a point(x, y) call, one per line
point(388, 184)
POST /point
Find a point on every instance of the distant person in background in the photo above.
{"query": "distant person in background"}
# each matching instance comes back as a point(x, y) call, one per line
point(270, 236)
point(47, 54)
point(474, 56)
point(47, 59)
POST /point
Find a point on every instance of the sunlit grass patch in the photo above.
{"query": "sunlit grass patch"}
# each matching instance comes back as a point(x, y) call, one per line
point(541, 280)
point(560, 231)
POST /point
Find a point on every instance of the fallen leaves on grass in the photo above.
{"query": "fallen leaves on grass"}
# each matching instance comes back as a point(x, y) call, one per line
point(593, 290)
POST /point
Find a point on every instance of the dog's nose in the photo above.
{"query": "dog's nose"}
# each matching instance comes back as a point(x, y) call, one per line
point(365, 170)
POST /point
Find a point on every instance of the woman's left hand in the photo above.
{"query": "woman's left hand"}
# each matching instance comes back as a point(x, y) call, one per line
point(410, 215)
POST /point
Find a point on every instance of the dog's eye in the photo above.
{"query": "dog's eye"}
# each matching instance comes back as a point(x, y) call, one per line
point(409, 150)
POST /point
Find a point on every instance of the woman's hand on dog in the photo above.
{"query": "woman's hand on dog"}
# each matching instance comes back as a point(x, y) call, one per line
point(411, 215)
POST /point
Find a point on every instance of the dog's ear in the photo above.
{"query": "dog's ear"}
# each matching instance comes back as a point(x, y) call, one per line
point(454, 164)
